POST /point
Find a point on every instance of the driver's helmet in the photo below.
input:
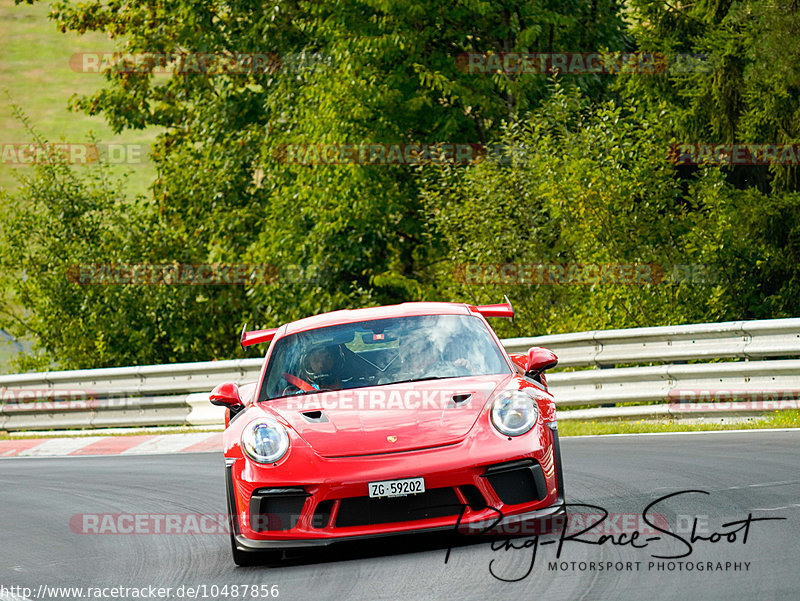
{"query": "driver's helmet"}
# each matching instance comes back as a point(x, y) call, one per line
point(322, 366)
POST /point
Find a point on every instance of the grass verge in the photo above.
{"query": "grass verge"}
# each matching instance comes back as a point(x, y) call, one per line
point(778, 419)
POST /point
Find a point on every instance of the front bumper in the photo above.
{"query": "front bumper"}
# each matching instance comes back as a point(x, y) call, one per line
point(538, 521)
point(462, 470)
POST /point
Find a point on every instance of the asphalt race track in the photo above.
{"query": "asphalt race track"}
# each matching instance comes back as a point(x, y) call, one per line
point(745, 473)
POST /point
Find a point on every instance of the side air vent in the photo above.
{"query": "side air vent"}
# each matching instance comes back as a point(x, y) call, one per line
point(460, 399)
point(315, 417)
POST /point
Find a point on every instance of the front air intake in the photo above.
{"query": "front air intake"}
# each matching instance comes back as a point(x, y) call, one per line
point(367, 511)
point(276, 508)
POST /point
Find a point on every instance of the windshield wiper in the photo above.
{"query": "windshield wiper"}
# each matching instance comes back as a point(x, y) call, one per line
point(425, 379)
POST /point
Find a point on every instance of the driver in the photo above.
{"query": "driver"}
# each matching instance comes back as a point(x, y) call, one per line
point(322, 367)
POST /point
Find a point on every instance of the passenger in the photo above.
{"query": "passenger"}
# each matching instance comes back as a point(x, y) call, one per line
point(418, 356)
point(421, 357)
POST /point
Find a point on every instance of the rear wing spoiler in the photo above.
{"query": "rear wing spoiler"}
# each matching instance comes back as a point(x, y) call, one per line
point(256, 336)
point(500, 310)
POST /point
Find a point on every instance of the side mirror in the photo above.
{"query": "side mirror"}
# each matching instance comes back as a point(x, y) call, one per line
point(226, 395)
point(539, 359)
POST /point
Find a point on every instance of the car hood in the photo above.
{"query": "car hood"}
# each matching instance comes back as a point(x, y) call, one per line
point(389, 418)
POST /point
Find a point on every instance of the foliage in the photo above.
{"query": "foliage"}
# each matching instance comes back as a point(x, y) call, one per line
point(63, 223)
point(380, 71)
point(578, 172)
point(738, 80)
point(743, 87)
point(578, 188)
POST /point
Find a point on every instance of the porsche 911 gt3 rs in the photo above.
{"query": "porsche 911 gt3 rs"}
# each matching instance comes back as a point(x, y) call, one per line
point(387, 420)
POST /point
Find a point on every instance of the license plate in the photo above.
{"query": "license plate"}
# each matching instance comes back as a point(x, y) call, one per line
point(397, 488)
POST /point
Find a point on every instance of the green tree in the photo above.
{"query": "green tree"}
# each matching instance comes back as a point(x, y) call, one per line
point(384, 71)
point(590, 185)
point(733, 76)
point(742, 87)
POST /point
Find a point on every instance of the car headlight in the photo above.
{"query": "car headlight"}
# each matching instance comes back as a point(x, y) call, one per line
point(264, 440)
point(514, 412)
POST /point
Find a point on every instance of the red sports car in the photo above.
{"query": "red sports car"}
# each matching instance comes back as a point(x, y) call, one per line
point(388, 420)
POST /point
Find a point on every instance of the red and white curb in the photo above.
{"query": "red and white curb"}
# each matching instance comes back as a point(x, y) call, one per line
point(192, 442)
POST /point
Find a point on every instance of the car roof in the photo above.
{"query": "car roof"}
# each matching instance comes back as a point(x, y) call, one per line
point(335, 318)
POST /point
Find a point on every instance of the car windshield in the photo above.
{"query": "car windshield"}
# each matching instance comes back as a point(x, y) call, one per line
point(381, 351)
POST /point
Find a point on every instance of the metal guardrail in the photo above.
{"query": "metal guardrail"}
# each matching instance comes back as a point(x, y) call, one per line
point(654, 371)
point(734, 339)
point(151, 395)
